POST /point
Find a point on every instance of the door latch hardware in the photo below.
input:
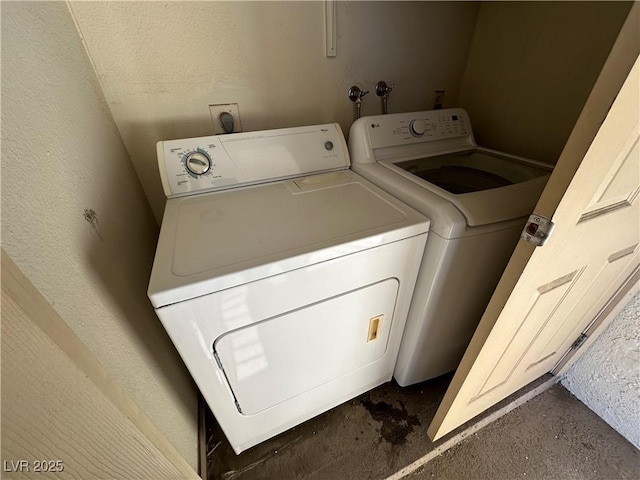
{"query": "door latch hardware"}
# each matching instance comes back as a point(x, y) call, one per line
point(374, 328)
point(537, 230)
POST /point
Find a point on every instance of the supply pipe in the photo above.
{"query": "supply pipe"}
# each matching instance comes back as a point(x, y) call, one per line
point(383, 90)
point(355, 95)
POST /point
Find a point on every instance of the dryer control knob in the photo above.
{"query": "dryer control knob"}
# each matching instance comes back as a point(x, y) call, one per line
point(197, 162)
point(417, 128)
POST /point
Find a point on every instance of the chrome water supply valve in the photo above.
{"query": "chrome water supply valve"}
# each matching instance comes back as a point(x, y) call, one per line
point(355, 95)
point(383, 90)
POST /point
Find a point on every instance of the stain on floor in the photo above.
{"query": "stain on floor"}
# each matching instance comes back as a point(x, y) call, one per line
point(397, 423)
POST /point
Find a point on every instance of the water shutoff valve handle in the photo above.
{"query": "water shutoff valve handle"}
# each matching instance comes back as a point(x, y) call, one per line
point(382, 89)
point(355, 94)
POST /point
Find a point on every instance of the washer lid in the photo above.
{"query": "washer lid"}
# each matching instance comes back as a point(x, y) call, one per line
point(485, 185)
point(214, 241)
point(472, 170)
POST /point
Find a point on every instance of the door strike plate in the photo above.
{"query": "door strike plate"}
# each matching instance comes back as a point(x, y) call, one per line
point(537, 230)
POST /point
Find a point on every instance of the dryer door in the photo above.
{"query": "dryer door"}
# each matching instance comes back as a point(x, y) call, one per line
point(278, 358)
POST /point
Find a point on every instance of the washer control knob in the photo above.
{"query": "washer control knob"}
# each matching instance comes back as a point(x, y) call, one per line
point(198, 162)
point(328, 145)
point(417, 128)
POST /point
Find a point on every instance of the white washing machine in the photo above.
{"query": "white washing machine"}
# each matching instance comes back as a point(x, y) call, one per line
point(478, 201)
point(283, 278)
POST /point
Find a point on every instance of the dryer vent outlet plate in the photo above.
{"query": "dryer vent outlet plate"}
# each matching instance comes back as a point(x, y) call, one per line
point(230, 108)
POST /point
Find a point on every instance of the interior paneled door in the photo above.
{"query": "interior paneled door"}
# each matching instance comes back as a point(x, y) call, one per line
point(591, 253)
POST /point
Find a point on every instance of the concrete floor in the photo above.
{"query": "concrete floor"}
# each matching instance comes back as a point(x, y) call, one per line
point(553, 436)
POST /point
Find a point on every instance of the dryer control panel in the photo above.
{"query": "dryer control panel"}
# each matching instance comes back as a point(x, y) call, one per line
point(220, 162)
point(428, 131)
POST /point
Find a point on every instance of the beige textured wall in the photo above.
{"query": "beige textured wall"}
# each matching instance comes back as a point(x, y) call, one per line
point(161, 64)
point(62, 155)
point(531, 68)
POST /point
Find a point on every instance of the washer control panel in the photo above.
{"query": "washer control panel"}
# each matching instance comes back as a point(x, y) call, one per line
point(417, 127)
point(223, 161)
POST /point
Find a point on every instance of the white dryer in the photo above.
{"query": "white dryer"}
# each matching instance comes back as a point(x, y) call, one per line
point(283, 278)
point(478, 201)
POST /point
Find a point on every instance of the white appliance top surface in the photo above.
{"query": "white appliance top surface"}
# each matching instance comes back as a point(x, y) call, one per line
point(213, 241)
point(444, 152)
